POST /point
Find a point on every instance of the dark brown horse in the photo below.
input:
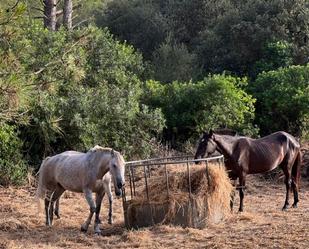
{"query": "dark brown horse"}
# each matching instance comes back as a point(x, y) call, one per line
point(250, 156)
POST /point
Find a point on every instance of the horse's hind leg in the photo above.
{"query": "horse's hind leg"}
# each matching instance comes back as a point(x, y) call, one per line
point(295, 192)
point(49, 204)
point(57, 208)
point(287, 182)
point(108, 190)
point(47, 212)
point(49, 208)
point(110, 211)
point(295, 178)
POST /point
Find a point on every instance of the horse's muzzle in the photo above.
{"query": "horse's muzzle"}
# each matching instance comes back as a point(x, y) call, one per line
point(118, 192)
point(197, 157)
point(120, 185)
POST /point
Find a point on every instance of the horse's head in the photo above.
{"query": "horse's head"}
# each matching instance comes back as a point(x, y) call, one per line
point(206, 146)
point(116, 168)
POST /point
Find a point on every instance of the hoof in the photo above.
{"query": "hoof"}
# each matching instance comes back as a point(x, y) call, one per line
point(48, 224)
point(294, 205)
point(97, 230)
point(285, 208)
point(83, 228)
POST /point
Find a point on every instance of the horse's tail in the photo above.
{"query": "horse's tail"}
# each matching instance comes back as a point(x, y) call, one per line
point(41, 190)
point(296, 168)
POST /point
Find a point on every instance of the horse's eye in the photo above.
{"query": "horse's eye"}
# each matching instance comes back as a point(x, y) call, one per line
point(114, 165)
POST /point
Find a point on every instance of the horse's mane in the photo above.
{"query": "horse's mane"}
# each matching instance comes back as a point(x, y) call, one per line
point(100, 148)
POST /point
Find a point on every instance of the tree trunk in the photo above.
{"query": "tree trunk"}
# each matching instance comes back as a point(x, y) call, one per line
point(50, 18)
point(67, 14)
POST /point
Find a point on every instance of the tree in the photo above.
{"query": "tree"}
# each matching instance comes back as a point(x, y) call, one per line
point(67, 14)
point(274, 55)
point(50, 14)
point(138, 22)
point(172, 61)
point(14, 94)
point(283, 100)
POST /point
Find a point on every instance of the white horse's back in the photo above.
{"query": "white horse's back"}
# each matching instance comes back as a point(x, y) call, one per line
point(67, 169)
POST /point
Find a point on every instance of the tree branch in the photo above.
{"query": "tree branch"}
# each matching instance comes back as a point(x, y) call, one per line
point(14, 6)
point(79, 23)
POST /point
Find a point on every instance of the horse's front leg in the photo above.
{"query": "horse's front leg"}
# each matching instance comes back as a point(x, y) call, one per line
point(233, 192)
point(242, 184)
point(99, 198)
point(89, 198)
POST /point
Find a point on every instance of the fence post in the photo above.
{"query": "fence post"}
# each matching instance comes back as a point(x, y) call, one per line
point(146, 183)
point(130, 178)
point(167, 183)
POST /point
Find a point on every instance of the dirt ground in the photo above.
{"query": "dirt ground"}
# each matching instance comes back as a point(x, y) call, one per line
point(262, 225)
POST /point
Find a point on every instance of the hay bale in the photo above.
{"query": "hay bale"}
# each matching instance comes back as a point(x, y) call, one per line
point(209, 200)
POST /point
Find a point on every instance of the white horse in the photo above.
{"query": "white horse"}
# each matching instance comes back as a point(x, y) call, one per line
point(105, 184)
point(79, 172)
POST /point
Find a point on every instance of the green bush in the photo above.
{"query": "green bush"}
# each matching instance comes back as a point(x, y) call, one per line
point(89, 94)
point(12, 167)
point(283, 100)
point(190, 108)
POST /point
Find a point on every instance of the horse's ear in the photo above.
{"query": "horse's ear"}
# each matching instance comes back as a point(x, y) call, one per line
point(112, 152)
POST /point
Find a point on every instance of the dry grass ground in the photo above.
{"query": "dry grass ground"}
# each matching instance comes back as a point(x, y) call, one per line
point(262, 225)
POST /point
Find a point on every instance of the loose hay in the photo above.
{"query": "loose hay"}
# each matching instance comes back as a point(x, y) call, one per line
point(209, 200)
point(12, 224)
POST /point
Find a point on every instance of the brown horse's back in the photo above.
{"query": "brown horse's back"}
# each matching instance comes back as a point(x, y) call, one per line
point(265, 154)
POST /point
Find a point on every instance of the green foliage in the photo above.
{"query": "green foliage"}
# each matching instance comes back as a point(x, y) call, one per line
point(283, 100)
point(71, 90)
point(172, 61)
point(86, 91)
point(12, 167)
point(275, 55)
point(226, 35)
point(190, 108)
point(139, 22)
point(13, 90)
